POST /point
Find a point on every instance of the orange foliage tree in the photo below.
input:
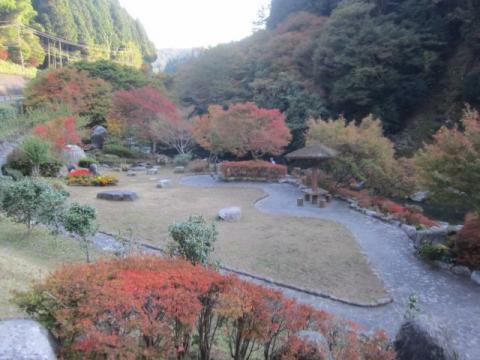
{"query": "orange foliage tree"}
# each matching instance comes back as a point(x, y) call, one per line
point(83, 95)
point(149, 115)
point(59, 132)
point(152, 307)
point(242, 129)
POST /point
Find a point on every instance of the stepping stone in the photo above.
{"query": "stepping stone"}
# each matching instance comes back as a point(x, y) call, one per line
point(163, 184)
point(131, 173)
point(138, 168)
point(179, 170)
point(152, 171)
point(230, 214)
point(117, 195)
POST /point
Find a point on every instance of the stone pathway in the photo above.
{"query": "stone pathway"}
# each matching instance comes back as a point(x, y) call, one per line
point(452, 300)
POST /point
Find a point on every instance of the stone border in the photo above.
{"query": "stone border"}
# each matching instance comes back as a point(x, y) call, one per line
point(269, 281)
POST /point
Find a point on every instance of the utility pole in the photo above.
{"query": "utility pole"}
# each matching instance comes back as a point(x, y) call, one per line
point(22, 61)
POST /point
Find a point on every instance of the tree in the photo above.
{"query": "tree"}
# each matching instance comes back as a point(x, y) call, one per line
point(84, 96)
point(37, 152)
point(174, 132)
point(81, 221)
point(364, 155)
point(450, 166)
point(193, 240)
point(140, 109)
point(242, 129)
point(31, 201)
point(59, 132)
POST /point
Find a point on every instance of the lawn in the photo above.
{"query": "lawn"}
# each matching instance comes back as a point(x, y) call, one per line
point(309, 253)
point(26, 258)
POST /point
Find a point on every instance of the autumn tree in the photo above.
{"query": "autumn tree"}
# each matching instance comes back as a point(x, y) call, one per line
point(175, 132)
point(364, 155)
point(59, 132)
point(450, 166)
point(83, 95)
point(149, 115)
point(242, 129)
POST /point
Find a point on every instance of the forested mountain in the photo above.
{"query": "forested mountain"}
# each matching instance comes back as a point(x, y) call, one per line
point(103, 25)
point(316, 58)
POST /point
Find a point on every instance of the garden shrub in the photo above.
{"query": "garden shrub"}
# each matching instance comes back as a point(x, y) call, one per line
point(182, 159)
point(86, 162)
point(159, 308)
point(193, 240)
point(118, 150)
point(198, 166)
point(31, 201)
point(252, 170)
point(467, 243)
point(33, 156)
point(434, 252)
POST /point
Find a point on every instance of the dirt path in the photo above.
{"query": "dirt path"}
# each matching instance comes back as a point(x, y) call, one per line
point(453, 300)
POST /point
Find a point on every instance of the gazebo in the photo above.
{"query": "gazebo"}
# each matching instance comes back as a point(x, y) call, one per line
point(311, 156)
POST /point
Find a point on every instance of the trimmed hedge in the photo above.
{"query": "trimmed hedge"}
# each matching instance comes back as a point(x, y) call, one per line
point(255, 170)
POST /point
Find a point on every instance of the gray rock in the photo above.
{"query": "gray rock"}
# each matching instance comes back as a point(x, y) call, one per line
point(152, 171)
point(461, 270)
point(117, 195)
point(443, 265)
point(454, 229)
point(25, 340)
point(475, 277)
point(411, 231)
point(357, 186)
point(433, 236)
point(138, 168)
point(131, 173)
point(317, 340)
point(422, 339)
point(98, 136)
point(371, 213)
point(93, 169)
point(230, 214)
point(163, 184)
point(419, 196)
point(72, 154)
point(179, 170)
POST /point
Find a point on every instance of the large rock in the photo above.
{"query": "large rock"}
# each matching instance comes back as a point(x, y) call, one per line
point(152, 171)
point(433, 236)
point(72, 154)
point(117, 195)
point(164, 183)
point(230, 214)
point(461, 270)
point(25, 340)
point(98, 136)
point(423, 339)
point(419, 196)
point(475, 277)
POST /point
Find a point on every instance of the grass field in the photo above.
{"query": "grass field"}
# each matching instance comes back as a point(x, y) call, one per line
point(309, 253)
point(24, 259)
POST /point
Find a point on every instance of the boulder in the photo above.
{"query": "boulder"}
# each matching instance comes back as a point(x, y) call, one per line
point(72, 154)
point(461, 270)
point(163, 184)
point(131, 173)
point(98, 136)
point(25, 340)
point(475, 277)
point(117, 195)
point(419, 196)
point(423, 339)
point(179, 170)
point(138, 168)
point(230, 214)
point(433, 236)
point(152, 171)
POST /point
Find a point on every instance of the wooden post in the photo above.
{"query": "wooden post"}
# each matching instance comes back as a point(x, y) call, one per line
point(314, 180)
point(60, 49)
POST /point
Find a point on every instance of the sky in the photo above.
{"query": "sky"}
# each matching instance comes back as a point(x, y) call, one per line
point(195, 23)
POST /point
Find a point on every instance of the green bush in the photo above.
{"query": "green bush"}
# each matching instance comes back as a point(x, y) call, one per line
point(36, 152)
point(118, 150)
point(193, 240)
point(31, 201)
point(86, 162)
point(19, 163)
point(182, 159)
point(434, 252)
point(81, 221)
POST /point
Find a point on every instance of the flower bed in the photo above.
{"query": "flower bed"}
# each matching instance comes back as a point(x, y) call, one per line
point(90, 180)
point(254, 170)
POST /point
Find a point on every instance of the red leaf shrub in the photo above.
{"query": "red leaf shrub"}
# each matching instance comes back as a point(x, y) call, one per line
point(467, 243)
point(152, 307)
point(59, 132)
point(79, 172)
point(3, 53)
point(252, 170)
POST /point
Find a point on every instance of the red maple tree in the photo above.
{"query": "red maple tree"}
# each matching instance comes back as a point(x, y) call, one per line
point(59, 132)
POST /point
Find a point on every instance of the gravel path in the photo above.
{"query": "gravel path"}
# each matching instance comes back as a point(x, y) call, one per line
point(453, 300)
